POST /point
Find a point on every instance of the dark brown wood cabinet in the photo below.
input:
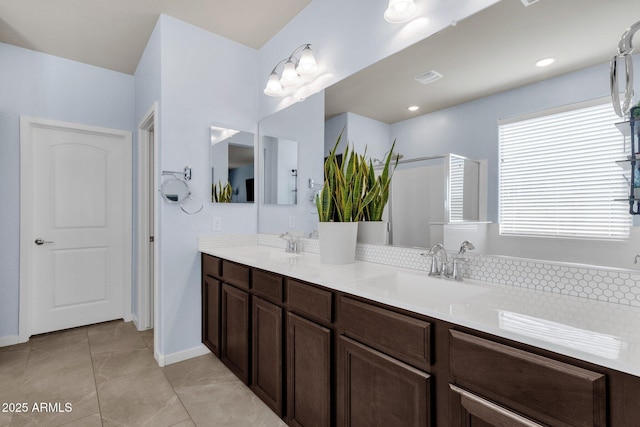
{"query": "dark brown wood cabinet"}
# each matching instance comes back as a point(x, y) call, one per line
point(375, 390)
point(211, 287)
point(549, 391)
point(267, 354)
point(309, 373)
point(211, 314)
point(234, 349)
point(469, 410)
point(319, 358)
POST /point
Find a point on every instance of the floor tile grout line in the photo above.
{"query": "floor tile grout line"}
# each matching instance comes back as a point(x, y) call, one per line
point(95, 385)
point(178, 396)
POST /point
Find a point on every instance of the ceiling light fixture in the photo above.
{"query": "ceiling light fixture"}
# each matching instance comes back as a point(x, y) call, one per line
point(544, 62)
point(413, 108)
point(295, 71)
point(400, 11)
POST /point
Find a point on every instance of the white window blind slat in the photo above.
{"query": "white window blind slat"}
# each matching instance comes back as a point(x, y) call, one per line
point(558, 176)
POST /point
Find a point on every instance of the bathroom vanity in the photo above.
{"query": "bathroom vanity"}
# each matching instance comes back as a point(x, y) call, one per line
point(371, 345)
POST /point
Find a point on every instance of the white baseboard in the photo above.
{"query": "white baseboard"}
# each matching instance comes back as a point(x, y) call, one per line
point(169, 359)
point(9, 340)
point(134, 319)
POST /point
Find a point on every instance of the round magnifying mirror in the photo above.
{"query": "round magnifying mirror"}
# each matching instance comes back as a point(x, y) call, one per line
point(175, 190)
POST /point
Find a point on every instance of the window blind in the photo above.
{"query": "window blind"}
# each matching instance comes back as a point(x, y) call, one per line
point(558, 175)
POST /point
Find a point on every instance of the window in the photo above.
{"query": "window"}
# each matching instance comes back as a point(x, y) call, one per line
point(558, 175)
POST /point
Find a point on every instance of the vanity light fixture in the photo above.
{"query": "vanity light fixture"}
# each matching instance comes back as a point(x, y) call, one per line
point(400, 11)
point(544, 62)
point(294, 71)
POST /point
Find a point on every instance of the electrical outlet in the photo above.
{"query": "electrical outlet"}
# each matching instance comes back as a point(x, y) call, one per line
point(217, 223)
point(292, 221)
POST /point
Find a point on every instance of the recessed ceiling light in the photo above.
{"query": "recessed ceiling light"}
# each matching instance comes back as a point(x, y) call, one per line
point(413, 108)
point(545, 62)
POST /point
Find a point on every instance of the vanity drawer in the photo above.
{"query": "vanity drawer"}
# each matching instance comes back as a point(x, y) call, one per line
point(547, 390)
point(403, 337)
point(235, 274)
point(309, 300)
point(211, 266)
point(268, 285)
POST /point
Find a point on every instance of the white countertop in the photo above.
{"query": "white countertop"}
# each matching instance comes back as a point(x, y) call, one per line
point(602, 333)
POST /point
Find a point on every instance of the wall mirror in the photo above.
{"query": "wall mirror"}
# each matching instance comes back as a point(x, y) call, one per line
point(459, 114)
point(290, 157)
point(175, 190)
point(280, 178)
point(232, 166)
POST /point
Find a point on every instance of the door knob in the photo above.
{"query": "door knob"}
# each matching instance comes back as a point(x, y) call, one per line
point(39, 241)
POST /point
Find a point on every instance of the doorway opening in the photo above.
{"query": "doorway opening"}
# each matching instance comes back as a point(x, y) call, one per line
point(146, 236)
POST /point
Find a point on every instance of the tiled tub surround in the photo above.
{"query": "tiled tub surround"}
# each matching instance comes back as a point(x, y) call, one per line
point(600, 332)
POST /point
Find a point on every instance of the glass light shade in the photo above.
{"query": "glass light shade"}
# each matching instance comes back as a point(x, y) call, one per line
point(307, 64)
point(290, 76)
point(274, 88)
point(400, 11)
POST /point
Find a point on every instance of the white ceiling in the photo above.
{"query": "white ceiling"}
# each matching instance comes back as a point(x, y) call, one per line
point(487, 53)
point(113, 33)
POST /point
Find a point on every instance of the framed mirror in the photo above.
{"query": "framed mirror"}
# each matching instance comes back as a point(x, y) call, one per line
point(280, 170)
point(232, 166)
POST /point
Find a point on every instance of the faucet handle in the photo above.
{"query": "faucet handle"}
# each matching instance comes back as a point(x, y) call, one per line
point(466, 246)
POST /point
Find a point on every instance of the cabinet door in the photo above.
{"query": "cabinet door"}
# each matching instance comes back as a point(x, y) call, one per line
point(469, 410)
point(308, 373)
point(267, 353)
point(235, 331)
point(377, 390)
point(211, 314)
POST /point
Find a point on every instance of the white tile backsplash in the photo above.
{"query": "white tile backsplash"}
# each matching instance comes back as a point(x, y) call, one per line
point(615, 285)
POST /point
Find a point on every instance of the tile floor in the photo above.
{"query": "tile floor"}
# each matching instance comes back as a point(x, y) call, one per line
point(108, 375)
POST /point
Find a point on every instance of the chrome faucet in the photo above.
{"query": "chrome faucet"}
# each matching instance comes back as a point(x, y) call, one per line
point(438, 268)
point(292, 242)
point(466, 246)
point(456, 274)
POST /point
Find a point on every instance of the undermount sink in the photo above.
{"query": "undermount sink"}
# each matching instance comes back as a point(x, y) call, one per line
point(281, 254)
point(422, 287)
point(272, 254)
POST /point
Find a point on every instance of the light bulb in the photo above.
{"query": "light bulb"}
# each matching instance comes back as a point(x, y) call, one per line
point(273, 88)
point(307, 65)
point(400, 11)
point(289, 75)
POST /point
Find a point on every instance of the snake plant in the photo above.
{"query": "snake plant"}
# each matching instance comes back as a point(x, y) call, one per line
point(347, 195)
point(221, 193)
point(378, 186)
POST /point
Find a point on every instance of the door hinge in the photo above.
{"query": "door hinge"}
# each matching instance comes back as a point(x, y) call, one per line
point(151, 239)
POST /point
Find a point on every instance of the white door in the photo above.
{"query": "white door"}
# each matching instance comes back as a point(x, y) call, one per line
point(79, 237)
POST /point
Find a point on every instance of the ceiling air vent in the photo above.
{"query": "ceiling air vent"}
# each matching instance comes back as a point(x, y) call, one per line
point(529, 2)
point(428, 77)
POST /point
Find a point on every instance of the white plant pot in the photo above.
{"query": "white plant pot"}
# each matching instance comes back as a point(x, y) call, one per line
point(376, 232)
point(337, 242)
